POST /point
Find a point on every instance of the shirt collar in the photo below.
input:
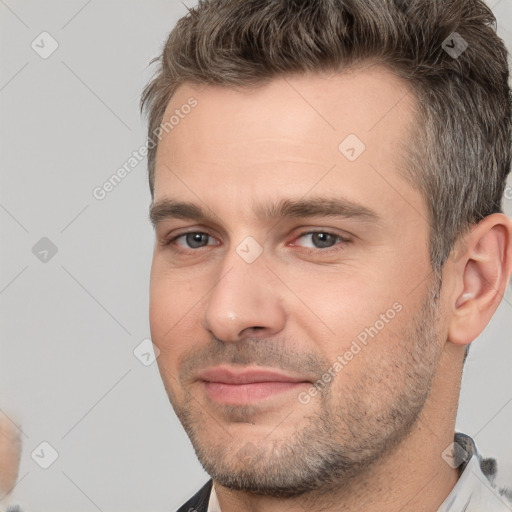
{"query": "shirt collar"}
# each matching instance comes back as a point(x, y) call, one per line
point(473, 492)
point(213, 504)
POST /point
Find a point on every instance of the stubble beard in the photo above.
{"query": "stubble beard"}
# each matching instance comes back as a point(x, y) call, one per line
point(351, 427)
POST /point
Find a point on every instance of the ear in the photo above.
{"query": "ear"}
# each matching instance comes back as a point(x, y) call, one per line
point(483, 270)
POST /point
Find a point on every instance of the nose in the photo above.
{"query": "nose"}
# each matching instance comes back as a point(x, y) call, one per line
point(245, 301)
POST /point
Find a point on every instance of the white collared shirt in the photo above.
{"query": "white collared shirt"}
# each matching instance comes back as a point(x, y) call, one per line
point(474, 493)
point(213, 504)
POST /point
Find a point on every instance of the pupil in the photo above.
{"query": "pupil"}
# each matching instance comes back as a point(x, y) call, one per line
point(196, 239)
point(322, 239)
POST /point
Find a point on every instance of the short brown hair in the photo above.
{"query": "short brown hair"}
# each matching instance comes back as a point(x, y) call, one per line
point(458, 156)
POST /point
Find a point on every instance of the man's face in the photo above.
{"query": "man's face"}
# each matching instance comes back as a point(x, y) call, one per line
point(296, 319)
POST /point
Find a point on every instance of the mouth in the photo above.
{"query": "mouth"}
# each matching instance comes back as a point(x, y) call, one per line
point(249, 385)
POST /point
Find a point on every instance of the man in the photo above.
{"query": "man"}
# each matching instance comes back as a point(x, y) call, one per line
point(327, 178)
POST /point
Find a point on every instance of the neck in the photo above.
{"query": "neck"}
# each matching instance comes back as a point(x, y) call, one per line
point(412, 476)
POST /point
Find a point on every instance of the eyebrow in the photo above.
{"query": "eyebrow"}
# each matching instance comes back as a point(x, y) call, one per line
point(166, 209)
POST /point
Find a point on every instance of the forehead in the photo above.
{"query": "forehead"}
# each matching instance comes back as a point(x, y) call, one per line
point(343, 132)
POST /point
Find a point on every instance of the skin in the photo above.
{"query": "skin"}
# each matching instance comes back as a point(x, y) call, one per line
point(390, 412)
point(10, 448)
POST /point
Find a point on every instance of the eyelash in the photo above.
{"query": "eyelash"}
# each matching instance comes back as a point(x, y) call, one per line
point(340, 240)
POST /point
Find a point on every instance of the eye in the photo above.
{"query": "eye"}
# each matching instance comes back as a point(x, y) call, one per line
point(192, 240)
point(320, 239)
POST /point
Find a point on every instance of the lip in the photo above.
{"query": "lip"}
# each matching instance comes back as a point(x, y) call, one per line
point(248, 385)
point(246, 375)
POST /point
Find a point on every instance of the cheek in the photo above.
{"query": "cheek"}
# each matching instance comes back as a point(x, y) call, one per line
point(170, 292)
point(340, 306)
point(164, 334)
point(174, 309)
point(166, 307)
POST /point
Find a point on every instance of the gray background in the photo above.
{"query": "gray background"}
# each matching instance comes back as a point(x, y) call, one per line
point(68, 374)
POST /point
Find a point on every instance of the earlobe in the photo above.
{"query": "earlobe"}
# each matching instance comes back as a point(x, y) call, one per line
point(484, 272)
